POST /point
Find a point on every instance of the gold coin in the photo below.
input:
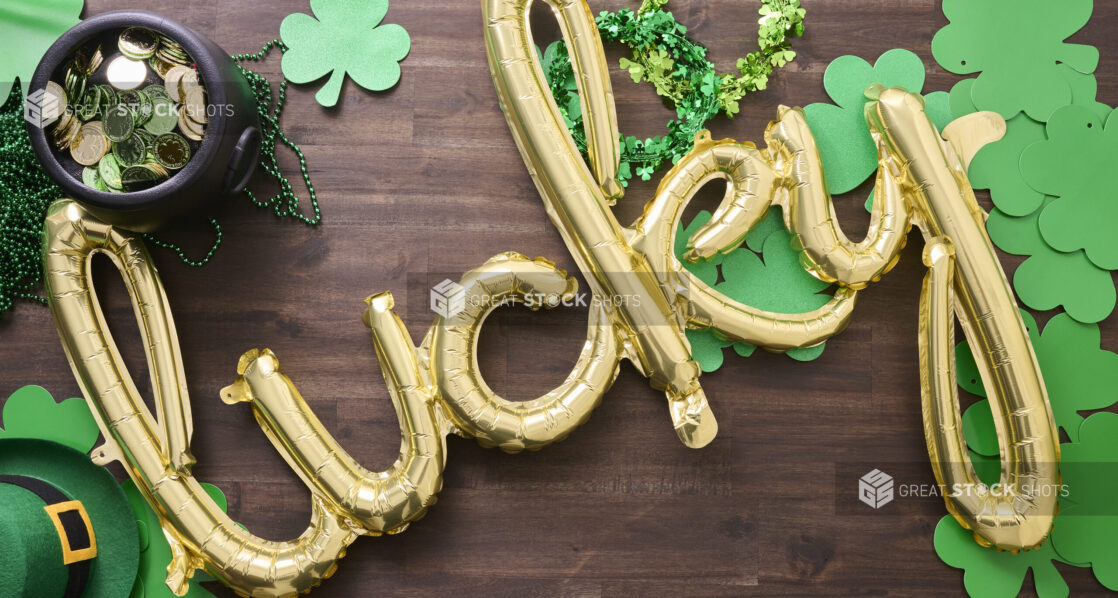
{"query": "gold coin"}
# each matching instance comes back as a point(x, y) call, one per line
point(95, 61)
point(88, 146)
point(158, 169)
point(65, 135)
point(95, 126)
point(174, 76)
point(189, 80)
point(160, 66)
point(138, 43)
point(62, 126)
point(195, 104)
point(53, 109)
point(125, 73)
point(191, 130)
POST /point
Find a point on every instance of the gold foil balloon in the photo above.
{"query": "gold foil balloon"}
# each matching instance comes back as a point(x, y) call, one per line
point(645, 297)
point(156, 453)
point(966, 278)
point(921, 181)
point(375, 503)
point(643, 301)
point(469, 402)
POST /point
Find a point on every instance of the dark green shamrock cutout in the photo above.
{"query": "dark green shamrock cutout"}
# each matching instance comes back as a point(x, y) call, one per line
point(155, 552)
point(1048, 278)
point(27, 29)
point(343, 37)
point(31, 412)
point(775, 283)
point(1017, 45)
point(990, 573)
point(1079, 375)
point(845, 145)
point(1076, 164)
point(1086, 531)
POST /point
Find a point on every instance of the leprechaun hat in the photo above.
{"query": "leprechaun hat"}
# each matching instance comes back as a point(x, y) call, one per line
point(66, 529)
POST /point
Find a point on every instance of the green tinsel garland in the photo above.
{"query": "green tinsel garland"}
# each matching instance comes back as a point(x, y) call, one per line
point(677, 67)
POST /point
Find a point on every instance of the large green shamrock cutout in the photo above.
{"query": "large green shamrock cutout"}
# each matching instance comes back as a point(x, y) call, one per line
point(1079, 375)
point(1076, 164)
point(31, 412)
point(997, 166)
point(990, 573)
point(346, 38)
point(773, 281)
point(845, 145)
point(1018, 46)
point(1087, 527)
point(1049, 278)
point(155, 552)
point(27, 29)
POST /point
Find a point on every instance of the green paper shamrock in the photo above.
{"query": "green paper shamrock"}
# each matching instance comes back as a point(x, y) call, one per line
point(1017, 45)
point(997, 167)
point(155, 552)
point(845, 145)
point(31, 412)
point(993, 574)
point(1076, 164)
point(27, 29)
point(775, 283)
point(1049, 278)
point(1087, 528)
point(346, 38)
point(1079, 375)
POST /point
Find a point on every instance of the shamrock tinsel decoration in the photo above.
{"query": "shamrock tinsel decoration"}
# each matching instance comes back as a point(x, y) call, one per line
point(677, 67)
point(25, 193)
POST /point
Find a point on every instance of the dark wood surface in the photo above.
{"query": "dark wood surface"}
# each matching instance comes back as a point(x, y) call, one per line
point(424, 181)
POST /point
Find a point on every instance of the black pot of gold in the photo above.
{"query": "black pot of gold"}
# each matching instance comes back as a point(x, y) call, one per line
point(142, 120)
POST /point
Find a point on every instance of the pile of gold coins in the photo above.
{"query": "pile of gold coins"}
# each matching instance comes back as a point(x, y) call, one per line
point(131, 131)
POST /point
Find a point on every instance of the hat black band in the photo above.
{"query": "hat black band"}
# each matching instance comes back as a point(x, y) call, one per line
point(78, 536)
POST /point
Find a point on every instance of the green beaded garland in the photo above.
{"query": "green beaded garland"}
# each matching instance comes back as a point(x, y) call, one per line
point(26, 191)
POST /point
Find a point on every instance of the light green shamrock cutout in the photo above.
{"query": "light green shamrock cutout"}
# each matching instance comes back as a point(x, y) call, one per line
point(1017, 46)
point(1079, 375)
point(346, 38)
point(1076, 164)
point(27, 29)
point(845, 145)
point(1048, 278)
point(1086, 530)
point(31, 412)
point(993, 574)
point(155, 552)
point(775, 283)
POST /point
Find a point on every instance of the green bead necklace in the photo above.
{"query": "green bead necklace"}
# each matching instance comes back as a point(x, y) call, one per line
point(286, 202)
point(26, 191)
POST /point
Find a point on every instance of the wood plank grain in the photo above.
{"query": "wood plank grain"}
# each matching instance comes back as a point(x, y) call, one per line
point(423, 182)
